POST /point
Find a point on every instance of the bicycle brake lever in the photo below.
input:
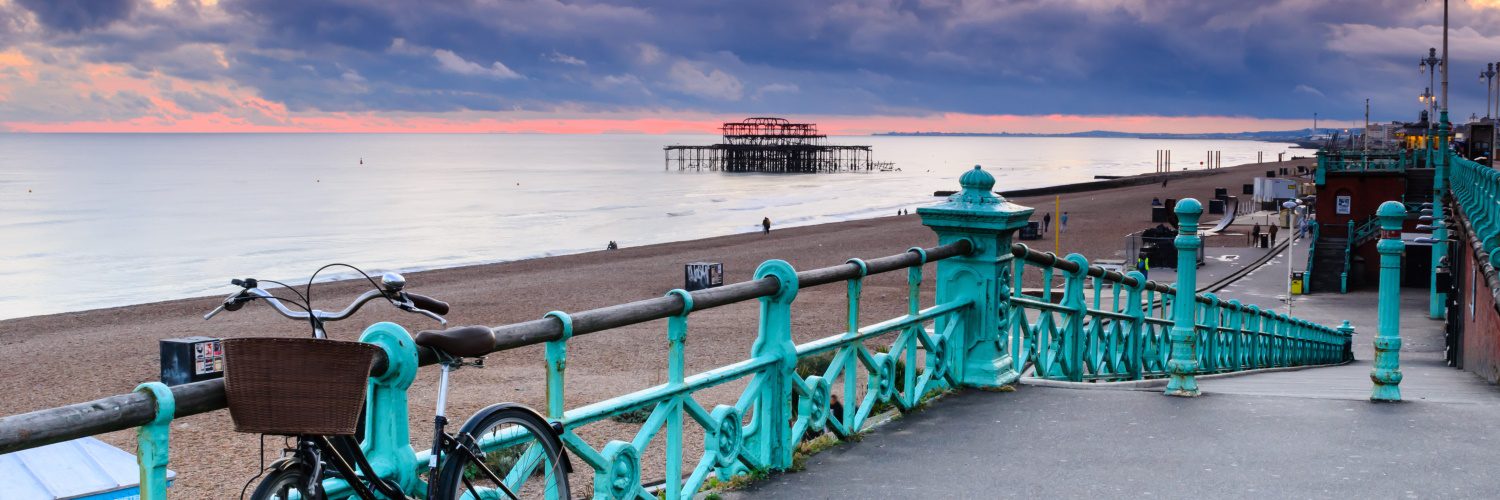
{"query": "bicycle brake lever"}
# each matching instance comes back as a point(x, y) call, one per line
point(214, 312)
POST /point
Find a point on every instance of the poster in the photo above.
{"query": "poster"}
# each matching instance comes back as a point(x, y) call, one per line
point(1342, 204)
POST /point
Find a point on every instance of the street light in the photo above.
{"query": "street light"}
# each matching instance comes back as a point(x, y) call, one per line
point(1297, 209)
point(1488, 77)
point(1431, 62)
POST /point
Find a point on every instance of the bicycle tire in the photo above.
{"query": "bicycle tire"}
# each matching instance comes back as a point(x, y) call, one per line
point(457, 478)
point(284, 478)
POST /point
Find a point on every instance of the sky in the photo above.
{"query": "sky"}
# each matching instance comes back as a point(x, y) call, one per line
point(675, 66)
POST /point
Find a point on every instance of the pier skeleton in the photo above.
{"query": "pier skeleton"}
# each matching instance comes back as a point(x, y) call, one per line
point(772, 145)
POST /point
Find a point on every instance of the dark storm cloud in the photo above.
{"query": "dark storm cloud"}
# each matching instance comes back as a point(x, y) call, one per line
point(1171, 57)
point(76, 15)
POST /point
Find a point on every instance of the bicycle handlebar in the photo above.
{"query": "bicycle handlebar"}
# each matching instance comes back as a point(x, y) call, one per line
point(393, 283)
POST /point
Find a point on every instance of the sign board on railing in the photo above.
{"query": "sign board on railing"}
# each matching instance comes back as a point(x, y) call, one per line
point(1342, 204)
point(701, 275)
point(191, 359)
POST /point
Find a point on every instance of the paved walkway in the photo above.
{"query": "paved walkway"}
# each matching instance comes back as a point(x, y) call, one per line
point(1297, 434)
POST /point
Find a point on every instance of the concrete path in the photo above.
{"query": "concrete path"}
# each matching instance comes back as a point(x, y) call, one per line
point(1297, 434)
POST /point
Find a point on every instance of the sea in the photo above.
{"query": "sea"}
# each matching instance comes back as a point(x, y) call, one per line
point(101, 220)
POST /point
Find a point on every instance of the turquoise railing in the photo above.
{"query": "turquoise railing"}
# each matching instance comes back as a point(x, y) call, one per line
point(1126, 337)
point(1361, 161)
point(978, 330)
point(1357, 235)
point(1476, 189)
point(1312, 251)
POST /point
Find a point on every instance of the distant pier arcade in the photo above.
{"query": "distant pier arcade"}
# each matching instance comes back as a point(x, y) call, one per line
point(775, 145)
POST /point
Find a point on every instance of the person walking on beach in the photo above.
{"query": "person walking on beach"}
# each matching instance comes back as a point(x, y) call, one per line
point(1064, 220)
point(1047, 222)
point(1255, 235)
point(765, 225)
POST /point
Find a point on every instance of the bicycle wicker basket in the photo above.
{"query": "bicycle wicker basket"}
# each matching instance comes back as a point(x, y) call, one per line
point(294, 386)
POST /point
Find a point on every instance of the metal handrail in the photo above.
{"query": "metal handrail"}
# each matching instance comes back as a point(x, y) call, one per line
point(124, 411)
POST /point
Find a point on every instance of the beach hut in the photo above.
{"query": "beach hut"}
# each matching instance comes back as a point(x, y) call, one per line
point(84, 468)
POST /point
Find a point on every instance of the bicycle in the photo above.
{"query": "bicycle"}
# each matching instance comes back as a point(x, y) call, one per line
point(523, 444)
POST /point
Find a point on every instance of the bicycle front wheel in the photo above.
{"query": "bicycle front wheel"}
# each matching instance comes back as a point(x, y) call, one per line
point(510, 453)
point(284, 482)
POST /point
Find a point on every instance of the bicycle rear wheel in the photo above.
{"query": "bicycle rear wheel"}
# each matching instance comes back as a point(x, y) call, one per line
point(512, 454)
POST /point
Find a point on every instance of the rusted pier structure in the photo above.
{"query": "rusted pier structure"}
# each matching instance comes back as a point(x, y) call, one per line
point(765, 144)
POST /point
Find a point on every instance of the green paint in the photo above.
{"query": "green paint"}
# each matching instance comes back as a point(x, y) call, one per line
point(1387, 372)
point(1183, 362)
point(153, 442)
point(1437, 301)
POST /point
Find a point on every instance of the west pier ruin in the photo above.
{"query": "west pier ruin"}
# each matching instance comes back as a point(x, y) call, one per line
point(772, 145)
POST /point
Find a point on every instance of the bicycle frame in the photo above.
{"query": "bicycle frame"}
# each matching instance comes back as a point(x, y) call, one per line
point(387, 443)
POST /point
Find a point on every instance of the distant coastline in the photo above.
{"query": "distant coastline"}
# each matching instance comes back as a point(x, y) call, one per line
point(1294, 136)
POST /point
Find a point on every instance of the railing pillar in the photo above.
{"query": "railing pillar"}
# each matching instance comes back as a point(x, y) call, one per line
point(387, 425)
point(984, 276)
point(772, 441)
point(153, 442)
point(1347, 331)
point(1074, 333)
point(1437, 302)
point(1135, 341)
point(1387, 372)
point(1184, 360)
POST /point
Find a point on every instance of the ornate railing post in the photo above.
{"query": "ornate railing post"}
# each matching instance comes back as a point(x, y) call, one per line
point(1074, 333)
point(1437, 301)
point(987, 221)
point(153, 441)
point(1387, 372)
point(773, 413)
point(1135, 340)
point(1184, 362)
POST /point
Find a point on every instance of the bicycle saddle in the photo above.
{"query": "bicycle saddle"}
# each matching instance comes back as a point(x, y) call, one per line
point(464, 341)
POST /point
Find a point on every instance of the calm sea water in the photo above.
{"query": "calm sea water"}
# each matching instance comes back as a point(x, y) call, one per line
point(89, 221)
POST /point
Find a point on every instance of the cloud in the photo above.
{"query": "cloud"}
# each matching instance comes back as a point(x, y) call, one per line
point(846, 57)
point(776, 88)
point(693, 78)
point(78, 15)
point(453, 63)
point(1305, 89)
point(561, 58)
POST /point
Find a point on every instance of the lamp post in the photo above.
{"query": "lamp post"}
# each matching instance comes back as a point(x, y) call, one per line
point(1488, 77)
point(1430, 65)
point(1296, 208)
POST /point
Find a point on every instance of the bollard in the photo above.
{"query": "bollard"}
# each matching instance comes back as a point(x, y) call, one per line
point(1184, 362)
point(1387, 372)
point(988, 222)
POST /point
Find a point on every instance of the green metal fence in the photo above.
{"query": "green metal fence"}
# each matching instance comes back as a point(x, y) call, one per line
point(980, 330)
point(1476, 188)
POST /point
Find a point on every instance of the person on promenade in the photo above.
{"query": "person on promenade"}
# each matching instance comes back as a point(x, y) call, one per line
point(1047, 222)
point(1255, 235)
point(1274, 227)
point(1143, 264)
point(1064, 220)
point(765, 225)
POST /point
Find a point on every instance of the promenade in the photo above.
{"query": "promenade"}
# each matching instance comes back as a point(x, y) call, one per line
point(1309, 433)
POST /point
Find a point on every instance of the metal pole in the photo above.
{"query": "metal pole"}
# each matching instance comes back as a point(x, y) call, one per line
point(1386, 374)
point(1183, 337)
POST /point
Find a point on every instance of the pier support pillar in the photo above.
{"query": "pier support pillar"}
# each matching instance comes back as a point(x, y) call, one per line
point(988, 222)
point(1184, 338)
point(1387, 372)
